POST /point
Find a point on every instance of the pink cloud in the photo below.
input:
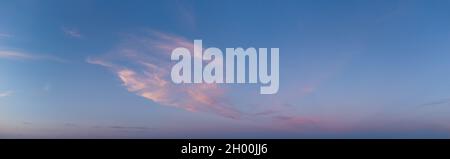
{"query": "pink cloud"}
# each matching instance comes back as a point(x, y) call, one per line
point(142, 64)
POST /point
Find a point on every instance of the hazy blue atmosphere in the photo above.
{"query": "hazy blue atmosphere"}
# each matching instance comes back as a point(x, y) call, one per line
point(101, 69)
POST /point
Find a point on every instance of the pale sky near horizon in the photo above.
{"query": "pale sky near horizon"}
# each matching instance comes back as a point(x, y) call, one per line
point(348, 69)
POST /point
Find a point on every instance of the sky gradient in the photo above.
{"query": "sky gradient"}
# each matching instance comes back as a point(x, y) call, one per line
point(101, 69)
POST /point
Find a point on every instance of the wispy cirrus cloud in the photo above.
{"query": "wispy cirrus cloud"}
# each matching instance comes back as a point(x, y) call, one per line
point(142, 63)
point(18, 55)
point(72, 32)
point(5, 35)
point(5, 94)
point(14, 55)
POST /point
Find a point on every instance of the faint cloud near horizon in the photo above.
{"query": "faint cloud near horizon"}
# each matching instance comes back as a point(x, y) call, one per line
point(435, 103)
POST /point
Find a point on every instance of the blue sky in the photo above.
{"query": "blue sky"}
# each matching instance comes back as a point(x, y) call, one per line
point(348, 69)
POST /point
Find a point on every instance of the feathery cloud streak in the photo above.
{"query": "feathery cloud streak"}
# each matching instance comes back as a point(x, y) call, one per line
point(72, 32)
point(4, 35)
point(5, 94)
point(17, 55)
point(142, 63)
